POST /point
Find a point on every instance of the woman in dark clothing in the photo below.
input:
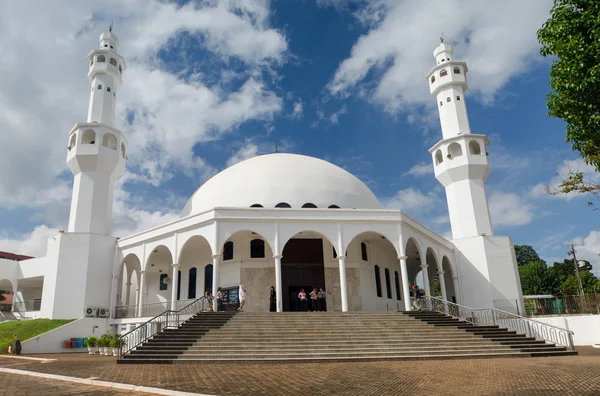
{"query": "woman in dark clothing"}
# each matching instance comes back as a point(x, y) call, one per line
point(321, 299)
point(273, 300)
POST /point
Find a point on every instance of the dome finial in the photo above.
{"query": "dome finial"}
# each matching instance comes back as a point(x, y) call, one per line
point(276, 149)
point(442, 38)
point(110, 27)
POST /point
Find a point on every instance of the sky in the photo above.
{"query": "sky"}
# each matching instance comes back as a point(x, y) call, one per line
point(211, 83)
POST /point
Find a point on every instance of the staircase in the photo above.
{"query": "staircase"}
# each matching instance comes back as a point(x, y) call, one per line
point(225, 337)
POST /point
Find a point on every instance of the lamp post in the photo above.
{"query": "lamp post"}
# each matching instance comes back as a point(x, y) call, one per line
point(576, 264)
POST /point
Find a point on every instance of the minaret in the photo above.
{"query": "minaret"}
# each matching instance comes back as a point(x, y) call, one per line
point(97, 151)
point(460, 158)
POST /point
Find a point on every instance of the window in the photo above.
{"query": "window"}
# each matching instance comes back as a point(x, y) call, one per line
point(109, 140)
point(439, 158)
point(458, 98)
point(208, 275)
point(397, 282)
point(432, 79)
point(256, 206)
point(388, 284)
point(92, 62)
point(309, 205)
point(378, 281)
point(333, 207)
point(123, 150)
point(454, 150)
point(101, 59)
point(89, 137)
point(456, 70)
point(73, 141)
point(113, 62)
point(257, 248)
point(283, 205)
point(107, 89)
point(448, 99)
point(474, 147)
point(99, 86)
point(228, 251)
point(441, 103)
point(120, 70)
point(163, 284)
point(192, 283)
point(363, 251)
point(443, 73)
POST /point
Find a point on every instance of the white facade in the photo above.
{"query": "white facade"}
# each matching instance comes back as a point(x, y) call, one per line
point(252, 223)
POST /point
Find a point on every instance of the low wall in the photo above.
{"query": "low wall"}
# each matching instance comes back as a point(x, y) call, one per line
point(53, 340)
point(585, 327)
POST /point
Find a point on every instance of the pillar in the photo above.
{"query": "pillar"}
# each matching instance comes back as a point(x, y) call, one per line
point(142, 292)
point(127, 293)
point(456, 293)
point(216, 278)
point(174, 285)
point(405, 287)
point(343, 285)
point(426, 279)
point(278, 285)
point(443, 286)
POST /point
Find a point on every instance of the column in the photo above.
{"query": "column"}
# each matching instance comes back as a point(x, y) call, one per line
point(127, 293)
point(405, 287)
point(425, 273)
point(278, 285)
point(142, 292)
point(456, 293)
point(443, 286)
point(216, 279)
point(343, 285)
point(174, 285)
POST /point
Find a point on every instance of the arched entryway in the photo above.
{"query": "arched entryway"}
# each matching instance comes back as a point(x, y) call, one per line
point(451, 293)
point(193, 258)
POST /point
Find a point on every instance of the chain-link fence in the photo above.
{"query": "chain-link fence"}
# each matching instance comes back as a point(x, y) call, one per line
point(555, 305)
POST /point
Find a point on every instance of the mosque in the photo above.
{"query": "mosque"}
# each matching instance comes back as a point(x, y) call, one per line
point(283, 220)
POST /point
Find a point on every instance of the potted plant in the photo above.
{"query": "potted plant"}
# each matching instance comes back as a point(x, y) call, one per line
point(92, 344)
point(104, 344)
point(114, 344)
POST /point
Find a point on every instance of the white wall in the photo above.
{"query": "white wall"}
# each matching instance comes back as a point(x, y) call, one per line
point(53, 340)
point(585, 327)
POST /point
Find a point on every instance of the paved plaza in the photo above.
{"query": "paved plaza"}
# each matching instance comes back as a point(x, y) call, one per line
point(569, 375)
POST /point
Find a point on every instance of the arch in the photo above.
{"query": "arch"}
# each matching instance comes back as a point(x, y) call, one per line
point(257, 248)
point(208, 277)
point(377, 280)
point(113, 62)
point(443, 73)
point(283, 205)
point(192, 276)
point(88, 137)
point(388, 283)
point(433, 267)
point(73, 141)
point(101, 59)
point(333, 207)
point(159, 257)
point(454, 150)
point(457, 70)
point(397, 284)
point(474, 147)
point(309, 205)
point(414, 255)
point(363, 251)
point(382, 238)
point(109, 140)
point(439, 158)
point(432, 79)
point(256, 206)
point(451, 294)
point(123, 152)
point(228, 250)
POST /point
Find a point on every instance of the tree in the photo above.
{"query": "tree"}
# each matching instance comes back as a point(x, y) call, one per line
point(590, 283)
point(572, 34)
point(536, 278)
point(525, 254)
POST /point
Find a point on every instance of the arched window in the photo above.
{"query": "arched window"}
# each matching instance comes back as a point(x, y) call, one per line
point(432, 79)
point(397, 282)
point(179, 285)
point(107, 89)
point(333, 207)
point(257, 248)
point(474, 147)
point(309, 205)
point(99, 86)
point(454, 150)
point(448, 99)
point(73, 141)
point(162, 282)
point(443, 73)
point(388, 283)
point(363, 251)
point(88, 137)
point(109, 140)
point(378, 281)
point(192, 283)
point(457, 70)
point(92, 62)
point(283, 205)
point(256, 206)
point(208, 275)
point(101, 59)
point(123, 150)
point(228, 251)
point(113, 62)
point(439, 158)
point(457, 97)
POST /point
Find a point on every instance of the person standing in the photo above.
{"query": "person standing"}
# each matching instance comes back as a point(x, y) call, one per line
point(219, 300)
point(272, 300)
point(321, 297)
point(314, 303)
point(242, 298)
point(416, 298)
point(302, 298)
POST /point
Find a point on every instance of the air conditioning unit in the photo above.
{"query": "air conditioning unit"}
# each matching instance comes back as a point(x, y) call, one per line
point(90, 312)
point(103, 313)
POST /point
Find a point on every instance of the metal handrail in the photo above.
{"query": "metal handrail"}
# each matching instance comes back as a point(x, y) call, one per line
point(493, 316)
point(152, 309)
point(27, 306)
point(162, 321)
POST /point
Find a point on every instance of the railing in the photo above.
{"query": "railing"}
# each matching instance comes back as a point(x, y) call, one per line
point(493, 316)
point(162, 321)
point(558, 305)
point(126, 311)
point(154, 309)
point(27, 306)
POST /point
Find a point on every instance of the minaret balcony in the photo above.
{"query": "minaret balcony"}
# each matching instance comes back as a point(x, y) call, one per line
point(461, 157)
point(95, 147)
point(445, 74)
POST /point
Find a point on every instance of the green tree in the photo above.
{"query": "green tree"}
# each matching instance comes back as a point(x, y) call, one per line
point(536, 278)
point(525, 254)
point(590, 283)
point(572, 35)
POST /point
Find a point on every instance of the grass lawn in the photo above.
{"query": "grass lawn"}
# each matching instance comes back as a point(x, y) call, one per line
point(25, 329)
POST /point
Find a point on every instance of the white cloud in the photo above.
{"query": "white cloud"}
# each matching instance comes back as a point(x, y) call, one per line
point(248, 150)
point(31, 244)
point(421, 169)
point(412, 201)
point(588, 248)
point(589, 173)
point(497, 40)
point(509, 210)
point(298, 110)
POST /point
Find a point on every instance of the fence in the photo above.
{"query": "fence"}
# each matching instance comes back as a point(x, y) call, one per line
point(151, 310)
point(27, 306)
point(558, 305)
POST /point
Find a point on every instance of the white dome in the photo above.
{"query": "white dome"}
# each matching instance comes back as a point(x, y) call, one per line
point(271, 179)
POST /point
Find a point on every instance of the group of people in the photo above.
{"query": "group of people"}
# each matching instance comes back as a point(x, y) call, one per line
point(314, 302)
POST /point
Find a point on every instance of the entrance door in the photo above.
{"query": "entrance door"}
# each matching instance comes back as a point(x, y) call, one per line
point(301, 267)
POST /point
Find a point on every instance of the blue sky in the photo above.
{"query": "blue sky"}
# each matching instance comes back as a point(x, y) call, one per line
point(212, 83)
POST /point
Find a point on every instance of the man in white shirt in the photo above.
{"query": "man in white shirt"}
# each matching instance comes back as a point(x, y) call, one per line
point(242, 298)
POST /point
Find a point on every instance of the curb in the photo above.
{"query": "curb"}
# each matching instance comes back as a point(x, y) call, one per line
point(105, 384)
